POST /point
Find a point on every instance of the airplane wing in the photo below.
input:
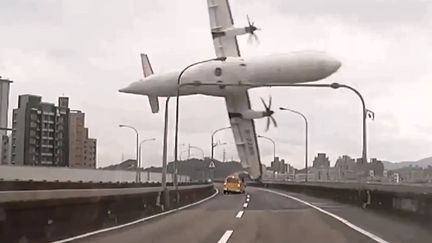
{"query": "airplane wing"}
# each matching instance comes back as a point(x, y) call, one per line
point(220, 19)
point(244, 133)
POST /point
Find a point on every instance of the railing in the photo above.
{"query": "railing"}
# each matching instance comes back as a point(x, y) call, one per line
point(410, 200)
point(49, 215)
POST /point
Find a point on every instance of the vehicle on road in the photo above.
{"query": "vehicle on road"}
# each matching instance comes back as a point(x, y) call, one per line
point(234, 184)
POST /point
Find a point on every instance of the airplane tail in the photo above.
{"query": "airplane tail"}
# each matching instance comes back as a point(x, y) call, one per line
point(146, 66)
point(147, 71)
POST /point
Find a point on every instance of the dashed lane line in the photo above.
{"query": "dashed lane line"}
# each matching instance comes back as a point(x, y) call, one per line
point(225, 237)
point(239, 214)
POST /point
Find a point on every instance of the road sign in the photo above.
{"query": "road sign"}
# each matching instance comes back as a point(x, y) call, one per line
point(212, 165)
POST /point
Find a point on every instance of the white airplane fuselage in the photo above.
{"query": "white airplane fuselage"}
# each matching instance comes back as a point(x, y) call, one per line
point(296, 67)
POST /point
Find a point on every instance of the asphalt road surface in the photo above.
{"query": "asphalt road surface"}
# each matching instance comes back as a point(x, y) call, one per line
point(265, 216)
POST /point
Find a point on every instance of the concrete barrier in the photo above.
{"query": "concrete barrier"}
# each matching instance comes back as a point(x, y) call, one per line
point(48, 215)
point(65, 174)
point(407, 200)
point(51, 185)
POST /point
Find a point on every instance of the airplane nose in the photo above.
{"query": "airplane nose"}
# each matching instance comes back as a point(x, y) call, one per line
point(125, 90)
point(331, 65)
point(133, 88)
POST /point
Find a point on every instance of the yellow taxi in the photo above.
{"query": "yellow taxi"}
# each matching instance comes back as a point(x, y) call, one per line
point(234, 184)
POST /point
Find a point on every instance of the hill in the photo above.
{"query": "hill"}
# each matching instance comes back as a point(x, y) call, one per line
point(129, 164)
point(421, 163)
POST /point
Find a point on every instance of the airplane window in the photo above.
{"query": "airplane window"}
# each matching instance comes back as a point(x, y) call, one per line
point(218, 71)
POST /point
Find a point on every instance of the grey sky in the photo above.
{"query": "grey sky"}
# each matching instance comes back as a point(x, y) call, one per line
point(87, 50)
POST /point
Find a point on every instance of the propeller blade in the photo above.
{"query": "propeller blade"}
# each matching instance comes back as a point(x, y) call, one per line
point(250, 40)
point(274, 121)
point(265, 106)
point(256, 38)
point(248, 20)
point(268, 124)
point(270, 102)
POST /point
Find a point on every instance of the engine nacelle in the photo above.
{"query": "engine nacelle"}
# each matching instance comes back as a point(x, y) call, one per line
point(249, 114)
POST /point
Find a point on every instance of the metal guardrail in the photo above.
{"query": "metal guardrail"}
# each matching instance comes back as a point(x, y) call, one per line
point(20, 196)
point(387, 187)
point(409, 200)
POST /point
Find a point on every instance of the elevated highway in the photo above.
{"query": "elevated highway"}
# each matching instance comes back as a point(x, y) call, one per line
point(269, 215)
point(269, 212)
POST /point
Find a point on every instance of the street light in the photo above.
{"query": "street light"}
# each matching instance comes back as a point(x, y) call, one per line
point(332, 85)
point(365, 112)
point(213, 145)
point(138, 174)
point(164, 156)
point(306, 137)
point(177, 114)
point(140, 148)
point(274, 145)
point(198, 148)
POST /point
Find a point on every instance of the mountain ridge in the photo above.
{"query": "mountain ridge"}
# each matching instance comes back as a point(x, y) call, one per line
point(424, 163)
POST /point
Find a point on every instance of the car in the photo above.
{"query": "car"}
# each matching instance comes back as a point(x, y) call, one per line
point(234, 184)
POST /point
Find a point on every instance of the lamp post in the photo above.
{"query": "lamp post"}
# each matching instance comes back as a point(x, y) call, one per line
point(198, 148)
point(164, 156)
point(274, 145)
point(332, 85)
point(365, 111)
point(140, 149)
point(177, 115)
point(306, 136)
point(138, 174)
point(213, 145)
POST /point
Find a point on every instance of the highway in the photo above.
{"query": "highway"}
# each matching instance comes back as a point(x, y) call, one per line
point(268, 216)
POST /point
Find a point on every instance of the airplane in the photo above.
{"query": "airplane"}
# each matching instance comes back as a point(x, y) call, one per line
point(231, 69)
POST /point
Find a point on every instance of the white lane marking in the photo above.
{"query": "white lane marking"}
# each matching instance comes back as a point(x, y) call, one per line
point(245, 205)
point(225, 237)
point(239, 214)
point(136, 221)
point(247, 199)
point(340, 219)
point(248, 195)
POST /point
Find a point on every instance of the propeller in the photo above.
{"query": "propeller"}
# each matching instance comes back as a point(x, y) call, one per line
point(269, 113)
point(251, 30)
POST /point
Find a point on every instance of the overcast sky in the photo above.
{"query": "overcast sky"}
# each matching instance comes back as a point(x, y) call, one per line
point(87, 50)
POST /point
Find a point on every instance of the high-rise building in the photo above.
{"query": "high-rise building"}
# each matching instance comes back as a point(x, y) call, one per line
point(5, 148)
point(4, 109)
point(321, 161)
point(279, 166)
point(40, 132)
point(82, 149)
point(346, 168)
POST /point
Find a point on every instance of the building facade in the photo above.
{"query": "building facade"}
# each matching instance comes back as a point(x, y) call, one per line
point(82, 149)
point(321, 161)
point(346, 168)
point(4, 110)
point(40, 132)
point(279, 166)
